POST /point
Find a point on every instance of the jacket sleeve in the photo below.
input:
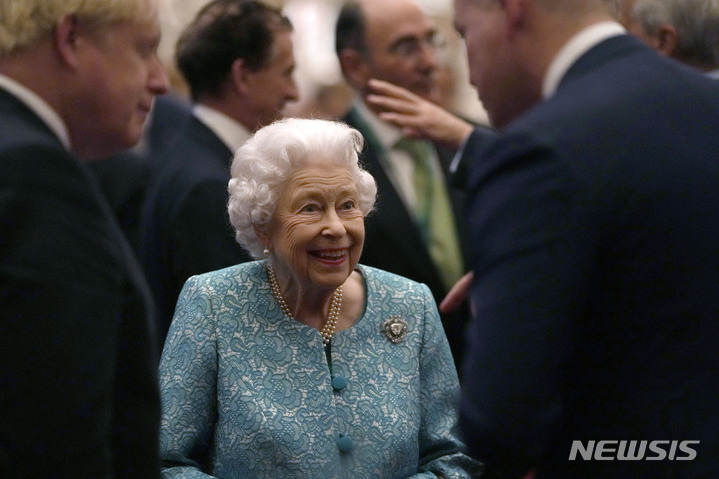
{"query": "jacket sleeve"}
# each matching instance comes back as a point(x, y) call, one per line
point(532, 239)
point(461, 165)
point(440, 448)
point(188, 381)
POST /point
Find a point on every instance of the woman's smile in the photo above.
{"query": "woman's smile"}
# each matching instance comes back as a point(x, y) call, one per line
point(330, 256)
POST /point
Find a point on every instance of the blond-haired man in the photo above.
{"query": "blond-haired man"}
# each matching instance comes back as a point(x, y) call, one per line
point(77, 361)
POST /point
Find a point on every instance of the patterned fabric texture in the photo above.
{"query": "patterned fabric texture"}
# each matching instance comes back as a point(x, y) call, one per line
point(249, 393)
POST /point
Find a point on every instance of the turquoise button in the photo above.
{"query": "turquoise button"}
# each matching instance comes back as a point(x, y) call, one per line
point(344, 443)
point(339, 382)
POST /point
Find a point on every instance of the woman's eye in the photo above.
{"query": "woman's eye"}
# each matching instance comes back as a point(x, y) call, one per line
point(348, 205)
point(309, 208)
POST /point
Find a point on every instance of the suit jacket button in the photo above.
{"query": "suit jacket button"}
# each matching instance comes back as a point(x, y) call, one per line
point(345, 444)
point(339, 382)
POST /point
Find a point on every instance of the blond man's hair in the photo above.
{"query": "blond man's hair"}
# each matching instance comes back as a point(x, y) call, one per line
point(25, 22)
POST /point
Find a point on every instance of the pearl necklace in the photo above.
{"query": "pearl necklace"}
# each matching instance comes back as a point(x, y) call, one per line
point(328, 329)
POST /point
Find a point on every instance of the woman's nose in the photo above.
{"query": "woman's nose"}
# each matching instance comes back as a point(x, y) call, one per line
point(333, 224)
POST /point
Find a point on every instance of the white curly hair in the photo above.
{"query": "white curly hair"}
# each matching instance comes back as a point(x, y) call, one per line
point(263, 164)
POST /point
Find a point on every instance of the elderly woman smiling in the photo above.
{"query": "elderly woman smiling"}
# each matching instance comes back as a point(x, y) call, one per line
point(306, 364)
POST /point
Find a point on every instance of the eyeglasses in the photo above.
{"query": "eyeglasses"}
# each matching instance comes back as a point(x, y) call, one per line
point(412, 46)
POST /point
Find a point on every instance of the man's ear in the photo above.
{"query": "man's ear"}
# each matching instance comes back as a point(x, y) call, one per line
point(355, 68)
point(666, 40)
point(239, 76)
point(66, 37)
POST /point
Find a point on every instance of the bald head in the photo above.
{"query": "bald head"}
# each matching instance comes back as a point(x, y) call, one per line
point(374, 10)
point(511, 44)
point(391, 40)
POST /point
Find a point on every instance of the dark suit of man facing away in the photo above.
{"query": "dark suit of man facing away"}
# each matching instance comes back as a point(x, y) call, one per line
point(595, 235)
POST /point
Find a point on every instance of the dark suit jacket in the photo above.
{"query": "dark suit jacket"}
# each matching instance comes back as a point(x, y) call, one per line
point(393, 241)
point(595, 234)
point(78, 386)
point(461, 165)
point(170, 115)
point(185, 226)
point(123, 179)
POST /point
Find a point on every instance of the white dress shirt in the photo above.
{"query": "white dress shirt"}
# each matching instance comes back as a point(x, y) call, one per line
point(230, 131)
point(398, 164)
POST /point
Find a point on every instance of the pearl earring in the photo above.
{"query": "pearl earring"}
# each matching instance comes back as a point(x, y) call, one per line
point(266, 252)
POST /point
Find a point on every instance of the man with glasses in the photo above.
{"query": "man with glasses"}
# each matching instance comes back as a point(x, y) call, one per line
point(415, 231)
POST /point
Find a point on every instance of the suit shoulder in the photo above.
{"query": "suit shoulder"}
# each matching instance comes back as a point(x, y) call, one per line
point(189, 161)
point(42, 166)
point(22, 141)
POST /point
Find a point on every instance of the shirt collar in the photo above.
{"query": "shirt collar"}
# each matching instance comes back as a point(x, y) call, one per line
point(230, 131)
point(386, 133)
point(38, 106)
point(577, 46)
point(713, 74)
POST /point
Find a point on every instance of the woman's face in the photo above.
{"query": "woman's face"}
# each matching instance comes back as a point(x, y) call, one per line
point(317, 230)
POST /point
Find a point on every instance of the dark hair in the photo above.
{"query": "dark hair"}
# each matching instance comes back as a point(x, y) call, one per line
point(350, 28)
point(223, 31)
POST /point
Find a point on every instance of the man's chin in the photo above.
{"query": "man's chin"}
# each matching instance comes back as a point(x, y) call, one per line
point(428, 93)
point(105, 150)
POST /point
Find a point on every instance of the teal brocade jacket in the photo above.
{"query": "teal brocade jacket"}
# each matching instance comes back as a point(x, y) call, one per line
point(249, 393)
